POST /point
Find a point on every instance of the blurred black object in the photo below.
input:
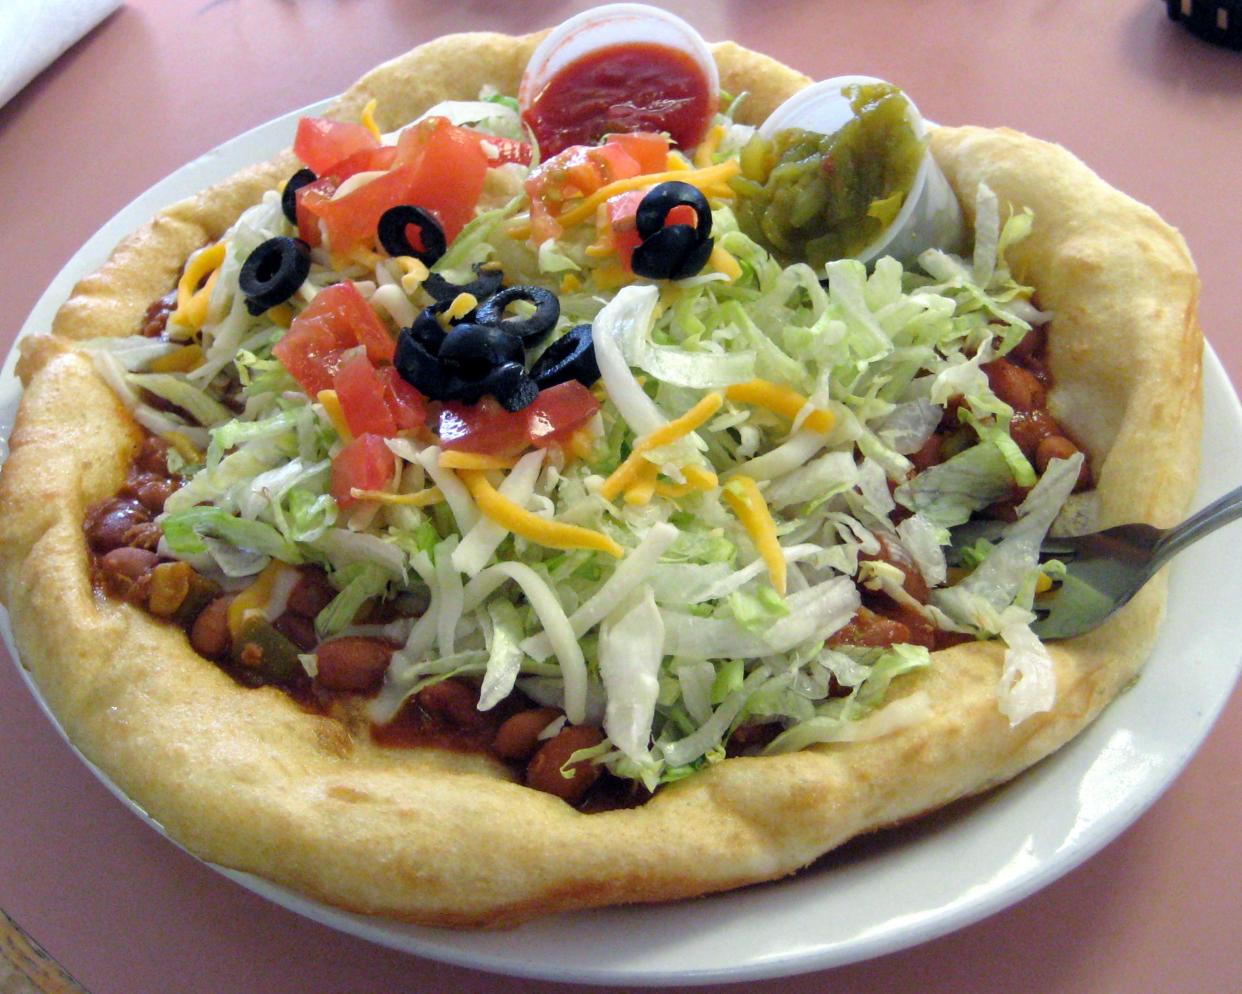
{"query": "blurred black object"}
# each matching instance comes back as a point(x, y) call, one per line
point(1217, 21)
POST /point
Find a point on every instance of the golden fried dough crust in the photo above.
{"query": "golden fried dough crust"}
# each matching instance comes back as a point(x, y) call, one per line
point(247, 779)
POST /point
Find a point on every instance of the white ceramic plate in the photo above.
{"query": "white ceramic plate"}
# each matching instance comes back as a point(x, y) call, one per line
point(879, 894)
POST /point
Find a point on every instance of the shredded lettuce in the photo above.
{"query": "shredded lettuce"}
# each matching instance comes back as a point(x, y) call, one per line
point(681, 641)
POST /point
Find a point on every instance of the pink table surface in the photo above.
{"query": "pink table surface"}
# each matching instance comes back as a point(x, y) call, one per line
point(1155, 111)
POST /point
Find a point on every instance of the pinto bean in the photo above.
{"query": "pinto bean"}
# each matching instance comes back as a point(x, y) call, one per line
point(1053, 447)
point(921, 631)
point(210, 635)
point(170, 586)
point(312, 593)
point(153, 491)
point(1017, 387)
point(1032, 344)
point(752, 737)
point(454, 703)
point(871, 630)
point(1029, 428)
point(1060, 447)
point(352, 663)
point(153, 456)
point(518, 737)
point(544, 771)
point(109, 525)
point(895, 555)
point(927, 455)
point(144, 535)
point(155, 320)
point(125, 573)
point(298, 630)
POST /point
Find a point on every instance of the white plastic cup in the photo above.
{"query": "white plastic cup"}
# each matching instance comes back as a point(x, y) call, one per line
point(930, 217)
point(604, 27)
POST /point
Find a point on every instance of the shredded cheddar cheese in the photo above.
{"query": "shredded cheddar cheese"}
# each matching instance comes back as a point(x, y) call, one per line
point(419, 498)
point(415, 270)
point(780, 400)
point(611, 276)
point(714, 177)
point(452, 459)
point(462, 305)
point(674, 491)
point(707, 147)
point(1043, 583)
point(628, 472)
point(332, 408)
point(368, 118)
point(188, 450)
point(254, 598)
point(193, 299)
point(642, 489)
point(701, 479)
point(182, 361)
point(743, 496)
point(515, 518)
point(281, 314)
point(723, 262)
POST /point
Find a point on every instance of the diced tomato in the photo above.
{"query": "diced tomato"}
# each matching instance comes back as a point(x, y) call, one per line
point(485, 427)
point(366, 463)
point(407, 406)
point(622, 210)
point(309, 200)
point(499, 151)
point(368, 160)
point(621, 214)
point(507, 150)
point(438, 167)
point(338, 319)
point(681, 214)
point(582, 169)
point(649, 150)
point(558, 412)
point(313, 347)
point(322, 143)
point(488, 429)
point(352, 308)
point(361, 393)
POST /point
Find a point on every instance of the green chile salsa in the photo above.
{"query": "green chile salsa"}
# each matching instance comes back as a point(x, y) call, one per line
point(810, 197)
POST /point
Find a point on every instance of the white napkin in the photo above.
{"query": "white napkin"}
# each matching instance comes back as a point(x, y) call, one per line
point(34, 32)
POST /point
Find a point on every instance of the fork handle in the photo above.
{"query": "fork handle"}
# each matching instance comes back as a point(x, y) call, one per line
point(1219, 512)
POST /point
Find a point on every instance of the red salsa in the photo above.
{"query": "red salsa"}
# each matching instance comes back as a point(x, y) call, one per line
point(622, 89)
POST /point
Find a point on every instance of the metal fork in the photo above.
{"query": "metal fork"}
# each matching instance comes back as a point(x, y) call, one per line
point(1105, 569)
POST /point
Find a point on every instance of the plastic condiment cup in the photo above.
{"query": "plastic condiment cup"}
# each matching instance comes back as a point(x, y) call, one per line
point(930, 217)
point(613, 24)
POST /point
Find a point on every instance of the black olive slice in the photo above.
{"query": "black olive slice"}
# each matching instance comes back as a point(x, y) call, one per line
point(273, 272)
point(289, 197)
point(511, 387)
point(654, 207)
point(472, 351)
point(694, 261)
point(394, 234)
point(671, 254)
point(487, 282)
point(427, 330)
point(570, 357)
point(531, 330)
point(419, 367)
point(466, 391)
